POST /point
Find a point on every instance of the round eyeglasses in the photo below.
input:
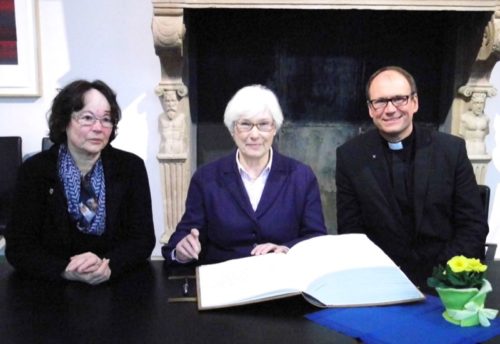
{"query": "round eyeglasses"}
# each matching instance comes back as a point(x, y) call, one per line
point(87, 119)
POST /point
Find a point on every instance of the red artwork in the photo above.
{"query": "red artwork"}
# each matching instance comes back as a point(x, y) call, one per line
point(8, 37)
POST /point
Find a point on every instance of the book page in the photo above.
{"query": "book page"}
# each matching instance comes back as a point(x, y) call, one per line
point(350, 270)
point(241, 280)
point(321, 255)
point(363, 287)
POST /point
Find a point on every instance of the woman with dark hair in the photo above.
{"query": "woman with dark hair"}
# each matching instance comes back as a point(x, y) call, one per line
point(82, 209)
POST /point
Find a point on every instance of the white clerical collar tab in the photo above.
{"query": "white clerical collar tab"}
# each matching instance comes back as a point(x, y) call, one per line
point(395, 145)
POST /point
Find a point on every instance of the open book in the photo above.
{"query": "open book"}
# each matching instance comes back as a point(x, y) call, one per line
point(329, 271)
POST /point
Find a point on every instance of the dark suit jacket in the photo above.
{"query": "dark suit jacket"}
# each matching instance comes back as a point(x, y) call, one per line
point(217, 204)
point(41, 236)
point(449, 218)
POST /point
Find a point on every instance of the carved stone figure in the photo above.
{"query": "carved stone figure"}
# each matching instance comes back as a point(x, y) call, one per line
point(474, 125)
point(172, 124)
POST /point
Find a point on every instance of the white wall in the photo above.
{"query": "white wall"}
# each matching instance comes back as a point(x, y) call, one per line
point(112, 40)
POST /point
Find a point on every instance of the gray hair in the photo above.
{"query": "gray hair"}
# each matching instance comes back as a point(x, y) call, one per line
point(251, 101)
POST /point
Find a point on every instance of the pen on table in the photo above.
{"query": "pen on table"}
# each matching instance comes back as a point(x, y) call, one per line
point(185, 287)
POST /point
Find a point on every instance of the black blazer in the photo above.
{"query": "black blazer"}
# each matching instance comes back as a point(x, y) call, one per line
point(41, 236)
point(449, 218)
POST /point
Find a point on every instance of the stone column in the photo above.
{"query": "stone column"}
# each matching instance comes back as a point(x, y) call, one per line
point(174, 123)
point(469, 119)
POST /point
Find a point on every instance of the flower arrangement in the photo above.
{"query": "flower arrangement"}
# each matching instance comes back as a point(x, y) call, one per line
point(462, 288)
point(459, 272)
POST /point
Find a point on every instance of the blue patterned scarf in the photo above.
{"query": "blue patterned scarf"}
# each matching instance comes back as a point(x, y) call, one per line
point(86, 195)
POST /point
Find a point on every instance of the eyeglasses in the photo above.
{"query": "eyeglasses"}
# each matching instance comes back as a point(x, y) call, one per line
point(246, 126)
point(397, 101)
point(87, 119)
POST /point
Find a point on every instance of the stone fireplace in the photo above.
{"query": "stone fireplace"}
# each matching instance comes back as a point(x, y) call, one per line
point(316, 56)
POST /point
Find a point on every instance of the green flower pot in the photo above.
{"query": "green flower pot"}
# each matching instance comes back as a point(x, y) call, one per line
point(455, 299)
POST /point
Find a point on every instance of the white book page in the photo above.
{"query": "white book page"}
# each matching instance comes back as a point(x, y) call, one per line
point(324, 254)
point(245, 279)
point(363, 287)
point(349, 269)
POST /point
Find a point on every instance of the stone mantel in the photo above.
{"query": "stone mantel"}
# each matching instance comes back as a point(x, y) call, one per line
point(413, 5)
point(176, 154)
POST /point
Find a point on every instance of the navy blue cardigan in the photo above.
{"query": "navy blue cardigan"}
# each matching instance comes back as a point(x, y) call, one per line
point(217, 204)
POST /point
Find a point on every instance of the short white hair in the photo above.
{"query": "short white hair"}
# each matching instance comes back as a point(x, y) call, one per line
point(251, 101)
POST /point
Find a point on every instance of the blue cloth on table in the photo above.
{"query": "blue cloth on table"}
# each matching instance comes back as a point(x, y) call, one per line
point(410, 323)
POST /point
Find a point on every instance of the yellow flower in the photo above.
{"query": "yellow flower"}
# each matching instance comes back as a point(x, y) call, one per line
point(476, 266)
point(459, 272)
point(458, 263)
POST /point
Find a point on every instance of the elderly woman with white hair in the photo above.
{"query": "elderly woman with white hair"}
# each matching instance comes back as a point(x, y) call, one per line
point(254, 201)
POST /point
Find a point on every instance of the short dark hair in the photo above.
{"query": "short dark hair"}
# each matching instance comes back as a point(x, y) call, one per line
point(403, 72)
point(70, 99)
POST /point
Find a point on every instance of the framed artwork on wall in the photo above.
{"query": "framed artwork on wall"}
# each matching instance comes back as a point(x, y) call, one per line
point(19, 49)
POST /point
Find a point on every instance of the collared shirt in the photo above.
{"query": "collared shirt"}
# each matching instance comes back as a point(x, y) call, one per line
point(400, 163)
point(405, 152)
point(254, 187)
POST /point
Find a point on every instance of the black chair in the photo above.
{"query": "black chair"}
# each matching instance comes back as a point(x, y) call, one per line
point(46, 143)
point(490, 248)
point(10, 160)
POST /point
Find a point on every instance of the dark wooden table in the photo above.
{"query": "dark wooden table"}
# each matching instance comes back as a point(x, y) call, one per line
point(135, 309)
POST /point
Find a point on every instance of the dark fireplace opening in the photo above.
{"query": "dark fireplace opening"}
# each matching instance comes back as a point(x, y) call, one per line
point(317, 62)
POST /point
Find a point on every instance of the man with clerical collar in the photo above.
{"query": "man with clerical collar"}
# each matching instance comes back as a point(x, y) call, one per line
point(410, 189)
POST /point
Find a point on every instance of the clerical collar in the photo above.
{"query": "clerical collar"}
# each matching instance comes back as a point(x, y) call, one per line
point(403, 144)
point(395, 145)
